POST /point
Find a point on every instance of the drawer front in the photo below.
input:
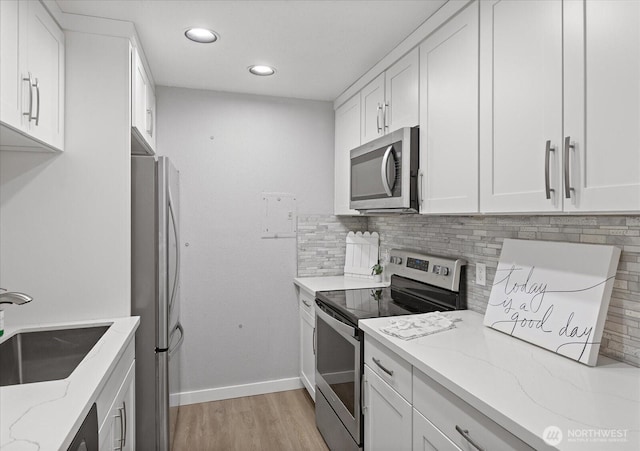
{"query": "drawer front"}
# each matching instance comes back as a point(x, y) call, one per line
point(394, 370)
point(459, 421)
point(306, 302)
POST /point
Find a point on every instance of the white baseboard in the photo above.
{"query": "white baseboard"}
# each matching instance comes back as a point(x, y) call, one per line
point(235, 391)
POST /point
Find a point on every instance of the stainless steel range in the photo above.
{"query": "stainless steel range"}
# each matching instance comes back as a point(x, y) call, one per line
point(420, 283)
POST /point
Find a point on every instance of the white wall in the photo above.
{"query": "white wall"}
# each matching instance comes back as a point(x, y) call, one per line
point(65, 218)
point(238, 300)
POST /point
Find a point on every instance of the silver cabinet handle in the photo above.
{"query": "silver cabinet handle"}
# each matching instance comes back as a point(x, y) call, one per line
point(547, 183)
point(465, 434)
point(314, 341)
point(567, 167)
point(119, 416)
point(420, 188)
point(306, 303)
point(29, 113)
point(124, 421)
point(384, 115)
point(378, 118)
point(150, 119)
point(37, 86)
point(383, 171)
point(377, 362)
point(365, 397)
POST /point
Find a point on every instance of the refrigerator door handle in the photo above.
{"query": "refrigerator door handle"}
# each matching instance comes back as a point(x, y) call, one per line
point(173, 348)
point(176, 276)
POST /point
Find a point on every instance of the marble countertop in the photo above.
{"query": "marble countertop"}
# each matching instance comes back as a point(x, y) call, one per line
point(329, 283)
point(525, 388)
point(46, 415)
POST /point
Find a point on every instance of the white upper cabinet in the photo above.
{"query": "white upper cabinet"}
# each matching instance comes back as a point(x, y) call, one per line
point(390, 101)
point(602, 105)
point(143, 109)
point(10, 77)
point(449, 116)
point(31, 78)
point(347, 137)
point(520, 105)
point(372, 110)
point(560, 127)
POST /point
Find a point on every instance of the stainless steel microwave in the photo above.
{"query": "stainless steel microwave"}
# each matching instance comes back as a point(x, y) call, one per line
point(384, 173)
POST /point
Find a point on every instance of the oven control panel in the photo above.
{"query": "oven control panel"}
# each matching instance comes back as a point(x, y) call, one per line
point(417, 263)
point(435, 270)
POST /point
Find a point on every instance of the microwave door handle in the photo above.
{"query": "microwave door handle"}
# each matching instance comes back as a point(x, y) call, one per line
point(383, 171)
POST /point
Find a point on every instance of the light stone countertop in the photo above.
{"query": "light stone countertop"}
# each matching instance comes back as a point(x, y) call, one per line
point(330, 283)
point(46, 415)
point(525, 388)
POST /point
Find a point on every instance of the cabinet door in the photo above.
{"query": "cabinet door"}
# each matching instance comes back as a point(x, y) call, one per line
point(139, 97)
point(151, 116)
point(521, 104)
point(308, 352)
point(402, 93)
point(372, 110)
point(45, 62)
point(449, 116)
point(129, 412)
point(427, 437)
point(118, 430)
point(10, 70)
point(387, 416)
point(602, 108)
point(347, 137)
point(143, 105)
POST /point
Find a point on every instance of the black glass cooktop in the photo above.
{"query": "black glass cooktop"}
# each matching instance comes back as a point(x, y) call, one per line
point(366, 303)
point(407, 297)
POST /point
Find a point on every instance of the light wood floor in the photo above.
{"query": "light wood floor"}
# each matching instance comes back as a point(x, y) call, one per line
point(275, 421)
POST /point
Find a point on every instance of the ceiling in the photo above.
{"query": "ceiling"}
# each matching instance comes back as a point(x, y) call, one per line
point(318, 47)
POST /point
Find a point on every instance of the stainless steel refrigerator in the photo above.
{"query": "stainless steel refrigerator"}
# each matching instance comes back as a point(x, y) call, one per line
point(155, 294)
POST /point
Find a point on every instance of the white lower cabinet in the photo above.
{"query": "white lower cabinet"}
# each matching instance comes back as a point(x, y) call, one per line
point(420, 414)
point(427, 437)
point(462, 424)
point(307, 342)
point(116, 406)
point(387, 416)
point(118, 431)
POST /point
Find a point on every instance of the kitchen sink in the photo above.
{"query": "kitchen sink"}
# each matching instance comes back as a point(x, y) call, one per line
point(45, 355)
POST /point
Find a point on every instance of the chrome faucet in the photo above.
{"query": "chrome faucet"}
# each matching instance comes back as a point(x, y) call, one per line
point(13, 297)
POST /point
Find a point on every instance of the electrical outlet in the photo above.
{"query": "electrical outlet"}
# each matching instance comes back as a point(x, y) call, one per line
point(481, 274)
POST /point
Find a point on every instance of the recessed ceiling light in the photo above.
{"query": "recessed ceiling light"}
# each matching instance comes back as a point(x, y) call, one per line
point(201, 35)
point(262, 70)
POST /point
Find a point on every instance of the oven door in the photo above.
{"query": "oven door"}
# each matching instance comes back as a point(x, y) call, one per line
point(339, 367)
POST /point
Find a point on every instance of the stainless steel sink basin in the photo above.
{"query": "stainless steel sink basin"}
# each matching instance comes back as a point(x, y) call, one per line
point(45, 355)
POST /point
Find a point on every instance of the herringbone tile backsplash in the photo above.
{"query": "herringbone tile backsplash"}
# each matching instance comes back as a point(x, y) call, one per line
point(478, 239)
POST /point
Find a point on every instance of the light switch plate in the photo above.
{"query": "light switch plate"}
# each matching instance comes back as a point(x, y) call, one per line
point(481, 274)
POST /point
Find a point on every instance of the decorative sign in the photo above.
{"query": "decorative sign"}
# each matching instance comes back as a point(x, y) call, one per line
point(361, 254)
point(554, 295)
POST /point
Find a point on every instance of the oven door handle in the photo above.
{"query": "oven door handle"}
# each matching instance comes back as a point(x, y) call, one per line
point(348, 332)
